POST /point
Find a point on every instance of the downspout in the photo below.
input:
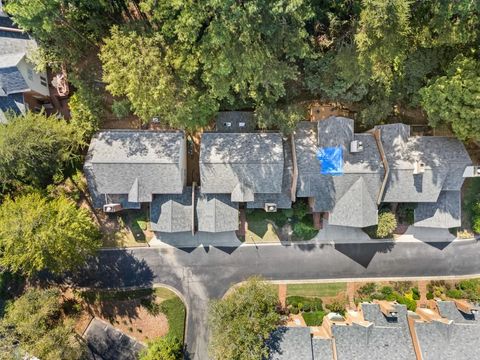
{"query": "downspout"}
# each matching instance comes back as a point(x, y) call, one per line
point(293, 190)
point(377, 134)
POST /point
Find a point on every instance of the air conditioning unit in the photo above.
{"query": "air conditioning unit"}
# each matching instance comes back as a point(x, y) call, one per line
point(227, 124)
point(418, 167)
point(476, 171)
point(242, 124)
point(270, 207)
point(112, 208)
point(356, 146)
point(155, 120)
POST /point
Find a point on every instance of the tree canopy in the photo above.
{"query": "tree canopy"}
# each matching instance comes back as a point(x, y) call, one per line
point(34, 148)
point(33, 325)
point(197, 57)
point(182, 61)
point(241, 323)
point(164, 348)
point(37, 233)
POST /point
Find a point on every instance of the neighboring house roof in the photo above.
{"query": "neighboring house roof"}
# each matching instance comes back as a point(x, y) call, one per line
point(14, 103)
point(283, 199)
point(172, 212)
point(241, 164)
point(449, 310)
point(290, 343)
point(444, 158)
point(381, 339)
point(11, 80)
point(322, 349)
point(235, 119)
point(363, 171)
point(456, 337)
point(445, 341)
point(13, 41)
point(137, 163)
point(445, 213)
point(108, 343)
point(216, 213)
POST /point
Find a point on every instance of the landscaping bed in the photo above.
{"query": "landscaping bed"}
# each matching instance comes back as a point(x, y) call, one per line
point(294, 224)
point(144, 314)
point(404, 292)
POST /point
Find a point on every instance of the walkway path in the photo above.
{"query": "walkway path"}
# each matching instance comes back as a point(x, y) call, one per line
point(202, 274)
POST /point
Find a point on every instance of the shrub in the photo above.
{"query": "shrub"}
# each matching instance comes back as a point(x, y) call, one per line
point(386, 290)
point(121, 108)
point(300, 209)
point(164, 348)
point(313, 318)
point(455, 294)
point(301, 303)
point(387, 223)
point(402, 286)
point(430, 296)
point(416, 293)
point(337, 307)
point(367, 289)
point(304, 229)
point(411, 304)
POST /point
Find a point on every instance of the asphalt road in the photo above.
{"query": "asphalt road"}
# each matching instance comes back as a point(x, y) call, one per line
point(202, 274)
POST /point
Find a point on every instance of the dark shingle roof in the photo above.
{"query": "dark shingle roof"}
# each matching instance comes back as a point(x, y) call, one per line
point(13, 41)
point(11, 81)
point(108, 343)
point(172, 212)
point(13, 102)
point(283, 199)
point(322, 349)
point(382, 338)
point(445, 160)
point(216, 213)
point(254, 160)
point(445, 213)
point(290, 343)
point(117, 160)
point(363, 170)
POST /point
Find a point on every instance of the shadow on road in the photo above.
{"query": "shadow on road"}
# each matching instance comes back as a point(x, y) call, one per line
point(113, 269)
point(439, 245)
point(364, 253)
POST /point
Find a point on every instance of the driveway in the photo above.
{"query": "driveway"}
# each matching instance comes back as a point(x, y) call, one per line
point(201, 274)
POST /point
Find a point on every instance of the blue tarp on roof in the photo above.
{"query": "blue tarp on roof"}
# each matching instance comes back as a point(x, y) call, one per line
point(331, 160)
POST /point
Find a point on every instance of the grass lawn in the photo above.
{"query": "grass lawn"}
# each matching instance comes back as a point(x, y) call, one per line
point(313, 318)
point(128, 228)
point(316, 290)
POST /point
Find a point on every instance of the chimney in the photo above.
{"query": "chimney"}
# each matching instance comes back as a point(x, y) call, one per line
point(466, 307)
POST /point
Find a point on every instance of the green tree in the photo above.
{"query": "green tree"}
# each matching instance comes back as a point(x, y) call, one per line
point(33, 325)
point(34, 148)
point(198, 57)
point(242, 322)
point(165, 348)
point(454, 99)
point(37, 234)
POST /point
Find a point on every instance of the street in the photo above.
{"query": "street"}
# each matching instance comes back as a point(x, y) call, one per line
point(201, 274)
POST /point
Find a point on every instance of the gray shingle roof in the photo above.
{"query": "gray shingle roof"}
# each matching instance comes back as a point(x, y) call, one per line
point(283, 199)
point(254, 160)
point(444, 158)
point(381, 339)
point(445, 213)
point(108, 343)
point(172, 212)
point(11, 81)
point(322, 349)
point(13, 102)
point(290, 343)
point(116, 160)
point(216, 213)
point(446, 341)
point(364, 170)
point(449, 310)
point(335, 131)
